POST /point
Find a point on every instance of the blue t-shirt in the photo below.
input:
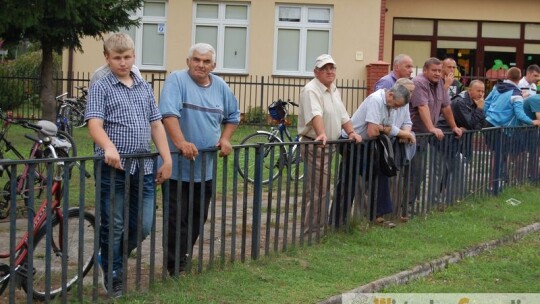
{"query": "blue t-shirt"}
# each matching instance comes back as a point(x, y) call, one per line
point(201, 111)
point(531, 106)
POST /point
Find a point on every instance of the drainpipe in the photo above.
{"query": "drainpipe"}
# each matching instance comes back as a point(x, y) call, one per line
point(381, 29)
point(70, 71)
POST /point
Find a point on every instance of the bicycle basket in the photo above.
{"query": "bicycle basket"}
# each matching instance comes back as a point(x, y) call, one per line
point(277, 110)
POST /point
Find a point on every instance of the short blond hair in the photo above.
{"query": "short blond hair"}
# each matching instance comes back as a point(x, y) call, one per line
point(513, 74)
point(118, 42)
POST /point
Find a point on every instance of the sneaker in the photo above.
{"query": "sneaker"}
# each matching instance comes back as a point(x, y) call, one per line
point(117, 286)
point(103, 276)
point(181, 267)
point(116, 283)
point(384, 223)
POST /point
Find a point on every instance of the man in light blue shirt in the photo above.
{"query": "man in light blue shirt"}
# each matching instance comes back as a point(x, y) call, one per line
point(194, 104)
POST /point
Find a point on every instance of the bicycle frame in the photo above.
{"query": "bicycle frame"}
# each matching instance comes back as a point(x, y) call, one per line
point(22, 179)
point(22, 248)
point(39, 220)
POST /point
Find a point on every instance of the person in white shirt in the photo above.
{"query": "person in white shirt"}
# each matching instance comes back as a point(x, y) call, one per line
point(527, 84)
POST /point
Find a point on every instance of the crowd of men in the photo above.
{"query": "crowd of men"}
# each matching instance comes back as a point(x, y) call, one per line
point(433, 102)
point(197, 110)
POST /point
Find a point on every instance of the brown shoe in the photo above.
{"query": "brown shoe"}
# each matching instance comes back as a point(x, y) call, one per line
point(382, 222)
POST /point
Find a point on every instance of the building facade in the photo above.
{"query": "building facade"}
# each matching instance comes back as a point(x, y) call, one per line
point(281, 39)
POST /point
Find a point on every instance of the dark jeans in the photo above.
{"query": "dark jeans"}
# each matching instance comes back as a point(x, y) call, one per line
point(197, 218)
point(349, 171)
point(117, 216)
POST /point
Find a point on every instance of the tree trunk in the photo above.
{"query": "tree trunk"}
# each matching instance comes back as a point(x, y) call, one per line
point(48, 110)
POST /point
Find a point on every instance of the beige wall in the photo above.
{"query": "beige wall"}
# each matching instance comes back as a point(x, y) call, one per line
point(493, 10)
point(355, 28)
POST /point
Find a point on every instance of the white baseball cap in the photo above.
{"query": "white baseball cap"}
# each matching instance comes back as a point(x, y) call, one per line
point(324, 59)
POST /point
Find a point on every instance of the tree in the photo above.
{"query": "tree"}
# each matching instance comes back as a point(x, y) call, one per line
point(61, 24)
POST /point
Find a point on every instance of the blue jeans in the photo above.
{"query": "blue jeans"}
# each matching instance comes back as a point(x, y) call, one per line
point(117, 217)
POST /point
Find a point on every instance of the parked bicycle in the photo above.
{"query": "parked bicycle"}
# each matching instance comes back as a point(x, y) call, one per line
point(70, 113)
point(48, 259)
point(274, 160)
point(62, 144)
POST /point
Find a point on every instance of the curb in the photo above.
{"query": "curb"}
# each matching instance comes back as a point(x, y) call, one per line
point(436, 264)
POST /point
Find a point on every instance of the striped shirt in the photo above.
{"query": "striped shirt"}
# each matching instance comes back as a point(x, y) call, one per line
point(126, 114)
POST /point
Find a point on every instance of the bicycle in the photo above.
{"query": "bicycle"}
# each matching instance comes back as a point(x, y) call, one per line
point(46, 253)
point(273, 161)
point(61, 143)
point(70, 112)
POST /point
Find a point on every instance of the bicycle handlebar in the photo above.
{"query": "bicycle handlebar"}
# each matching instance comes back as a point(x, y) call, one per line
point(285, 102)
point(23, 123)
point(60, 97)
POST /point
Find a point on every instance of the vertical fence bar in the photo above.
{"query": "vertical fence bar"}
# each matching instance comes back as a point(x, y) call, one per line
point(257, 203)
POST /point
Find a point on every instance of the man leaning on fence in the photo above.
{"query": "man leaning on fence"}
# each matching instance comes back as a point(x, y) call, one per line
point(321, 117)
point(428, 101)
point(504, 108)
point(382, 112)
point(402, 68)
point(122, 119)
point(194, 104)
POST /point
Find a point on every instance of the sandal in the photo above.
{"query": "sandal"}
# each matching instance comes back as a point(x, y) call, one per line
point(382, 222)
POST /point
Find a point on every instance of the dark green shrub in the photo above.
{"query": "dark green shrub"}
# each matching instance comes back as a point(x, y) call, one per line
point(19, 80)
point(254, 115)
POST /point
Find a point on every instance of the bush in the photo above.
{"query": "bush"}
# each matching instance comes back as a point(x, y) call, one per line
point(254, 115)
point(19, 80)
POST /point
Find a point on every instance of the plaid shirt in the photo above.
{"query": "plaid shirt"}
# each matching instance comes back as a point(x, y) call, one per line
point(126, 114)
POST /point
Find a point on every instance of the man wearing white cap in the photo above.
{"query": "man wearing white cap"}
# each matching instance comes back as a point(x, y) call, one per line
point(321, 117)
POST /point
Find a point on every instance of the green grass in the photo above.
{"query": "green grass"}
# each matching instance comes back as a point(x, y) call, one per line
point(346, 260)
point(513, 268)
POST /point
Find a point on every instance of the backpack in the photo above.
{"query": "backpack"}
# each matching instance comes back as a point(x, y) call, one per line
point(385, 153)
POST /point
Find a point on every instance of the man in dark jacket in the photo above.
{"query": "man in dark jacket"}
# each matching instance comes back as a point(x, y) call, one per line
point(468, 110)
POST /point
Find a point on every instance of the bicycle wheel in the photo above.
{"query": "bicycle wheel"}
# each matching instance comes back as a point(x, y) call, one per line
point(297, 163)
point(272, 157)
point(79, 253)
point(63, 138)
point(62, 120)
point(40, 174)
point(4, 271)
point(76, 117)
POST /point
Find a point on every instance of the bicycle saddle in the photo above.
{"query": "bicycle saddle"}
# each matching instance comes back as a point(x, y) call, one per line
point(47, 128)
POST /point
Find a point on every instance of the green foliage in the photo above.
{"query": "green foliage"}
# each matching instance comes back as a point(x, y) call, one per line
point(254, 115)
point(18, 84)
point(61, 24)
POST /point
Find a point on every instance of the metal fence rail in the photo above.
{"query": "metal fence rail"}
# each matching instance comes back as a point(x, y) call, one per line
point(254, 93)
point(20, 93)
point(250, 220)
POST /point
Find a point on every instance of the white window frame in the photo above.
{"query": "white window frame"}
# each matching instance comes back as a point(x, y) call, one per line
point(139, 35)
point(221, 23)
point(304, 26)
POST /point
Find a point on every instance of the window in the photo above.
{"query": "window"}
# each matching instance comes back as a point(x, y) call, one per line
point(149, 36)
point(501, 30)
point(418, 27)
point(302, 34)
point(225, 27)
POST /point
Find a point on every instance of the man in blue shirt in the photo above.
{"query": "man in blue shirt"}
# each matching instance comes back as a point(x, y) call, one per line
point(531, 106)
point(194, 104)
point(402, 68)
point(122, 119)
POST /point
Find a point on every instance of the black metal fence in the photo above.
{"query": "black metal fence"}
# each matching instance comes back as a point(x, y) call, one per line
point(254, 93)
point(246, 220)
